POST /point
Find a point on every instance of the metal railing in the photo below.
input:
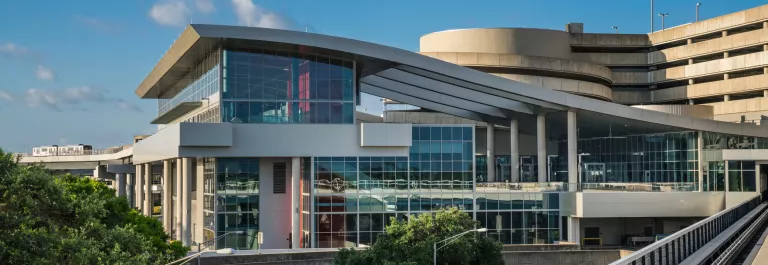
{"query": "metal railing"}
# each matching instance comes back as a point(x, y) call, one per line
point(339, 186)
point(681, 245)
point(106, 151)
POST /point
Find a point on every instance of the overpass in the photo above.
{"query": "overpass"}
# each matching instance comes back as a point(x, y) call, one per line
point(113, 164)
point(733, 236)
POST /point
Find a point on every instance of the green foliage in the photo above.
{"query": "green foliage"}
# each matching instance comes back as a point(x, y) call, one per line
point(72, 220)
point(411, 242)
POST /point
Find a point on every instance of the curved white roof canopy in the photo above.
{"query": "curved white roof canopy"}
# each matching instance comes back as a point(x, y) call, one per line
point(433, 84)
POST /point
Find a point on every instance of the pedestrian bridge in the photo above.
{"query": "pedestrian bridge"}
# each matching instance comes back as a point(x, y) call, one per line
point(732, 236)
point(90, 160)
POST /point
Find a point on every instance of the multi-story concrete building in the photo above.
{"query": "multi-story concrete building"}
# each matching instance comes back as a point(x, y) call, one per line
point(528, 130)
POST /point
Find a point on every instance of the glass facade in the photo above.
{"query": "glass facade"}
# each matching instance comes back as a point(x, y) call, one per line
point(262, 86)
point(355, 197)
point(741, 176)
point(237, 202)
point(668, 157)
point(520, 218)
point(200, 82)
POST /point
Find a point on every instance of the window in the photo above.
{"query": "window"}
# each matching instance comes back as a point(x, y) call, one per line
point(279, 178)
point(263, 86)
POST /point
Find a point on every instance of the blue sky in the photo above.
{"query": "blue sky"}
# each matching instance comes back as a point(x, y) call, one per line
point(68, 69)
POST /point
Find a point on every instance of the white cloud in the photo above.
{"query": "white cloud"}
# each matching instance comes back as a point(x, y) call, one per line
point(252, 15)
point(170, 13)
point(44, 73)
point(11, 49)
point(205, 6)
point(72, 98)
point(5, 96)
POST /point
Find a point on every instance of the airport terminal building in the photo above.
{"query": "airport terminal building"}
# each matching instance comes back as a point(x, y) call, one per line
point(541, 135)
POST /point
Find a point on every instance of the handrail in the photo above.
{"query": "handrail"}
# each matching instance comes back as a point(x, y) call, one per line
point(682, 244)
point(734, 248)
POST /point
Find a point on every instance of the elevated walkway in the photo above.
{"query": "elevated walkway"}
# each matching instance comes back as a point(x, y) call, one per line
point(732, 236)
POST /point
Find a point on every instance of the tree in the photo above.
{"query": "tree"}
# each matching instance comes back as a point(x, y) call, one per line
point(411, 242)
point(72, 220)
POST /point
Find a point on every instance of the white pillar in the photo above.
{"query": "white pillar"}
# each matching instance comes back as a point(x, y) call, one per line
point(120, 184)
point(148, 189)
point(700, 143)
point(490, 157)
point(765, 92)
point(139, 188)
point(167, 197)
point(514, 152)
point(129, 189)
point(573, 156)
point(541, 144)
point(574, 230)
point(186, 201)
point(295, 199)
point(179, 192)
point(727, 98)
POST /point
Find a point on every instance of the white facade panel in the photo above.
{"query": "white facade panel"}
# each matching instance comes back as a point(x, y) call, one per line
point(649, 204)
point(205, 134)
point(292, 140)
point(274, 209)
point(385, 134)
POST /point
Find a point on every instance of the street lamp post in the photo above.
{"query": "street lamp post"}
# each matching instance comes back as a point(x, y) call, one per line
point(663, 15)
point(697, 11)
point(453, 238)
point(617, 29)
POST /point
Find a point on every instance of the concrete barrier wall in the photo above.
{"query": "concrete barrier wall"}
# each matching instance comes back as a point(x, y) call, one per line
point(585, 257)
point(525, 257)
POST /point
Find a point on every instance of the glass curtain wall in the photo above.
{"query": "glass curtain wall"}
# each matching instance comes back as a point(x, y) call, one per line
point(237, 202)
point(715, 172)
point(209, 197)
point(741, 176)
point(200, 83)
point(263, 86)
point(355, 197)
point(668, 157)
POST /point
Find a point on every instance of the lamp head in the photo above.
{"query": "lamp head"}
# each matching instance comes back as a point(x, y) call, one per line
point(482, 230)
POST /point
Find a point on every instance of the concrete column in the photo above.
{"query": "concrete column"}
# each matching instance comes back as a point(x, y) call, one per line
point(177, 207)
point(167, 197)
point(700, 154)
point(514, 151)
point(573, 156)
point(691, 82)
point(490, 155)
point(758, 179)
point(295, 200)
point(726, 76)
point(148, 189)
point(726, 178)
point(765, 93)
point(690, 41)
point(120, 184)
point(129, 189)
point(186, 201)
point(574, 230)
point(690, 101)
point(139, 188)
point(727, 98)
point(765, 47)
point(541, 146)
point(690, 61)
point(726, 54)
point(725, 33)
point(765, 69)
point(765, 24)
